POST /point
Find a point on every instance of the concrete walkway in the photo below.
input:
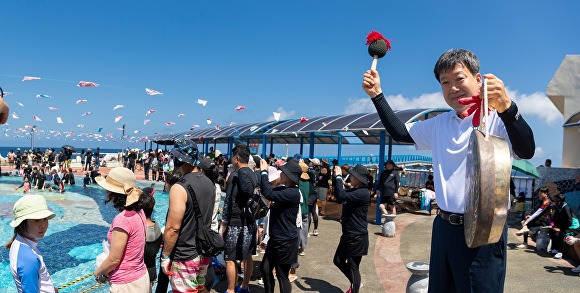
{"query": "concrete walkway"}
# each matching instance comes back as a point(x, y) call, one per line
point(383, 270)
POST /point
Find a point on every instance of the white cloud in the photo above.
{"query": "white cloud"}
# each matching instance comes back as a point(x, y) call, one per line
point(535, 104)
point(283, 114)
point(539, 153)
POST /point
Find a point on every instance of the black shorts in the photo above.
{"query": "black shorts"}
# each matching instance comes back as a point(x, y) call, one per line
point(389, 200)
point(353, 245)
point(240, 242)
point(280, 252)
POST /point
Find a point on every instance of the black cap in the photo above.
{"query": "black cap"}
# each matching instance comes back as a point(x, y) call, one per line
point(186, 151)
point(206, 164)
point(292, 170)
point(361, 173)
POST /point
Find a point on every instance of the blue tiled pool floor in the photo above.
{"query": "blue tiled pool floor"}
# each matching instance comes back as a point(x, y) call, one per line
point(74, 236)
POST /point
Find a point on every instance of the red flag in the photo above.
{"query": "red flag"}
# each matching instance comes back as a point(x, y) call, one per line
point(303, 119)
point(87, 84)
point(217, 127)
point(240, 108)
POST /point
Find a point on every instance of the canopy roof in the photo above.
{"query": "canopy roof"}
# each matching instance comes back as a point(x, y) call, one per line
point(362, 128)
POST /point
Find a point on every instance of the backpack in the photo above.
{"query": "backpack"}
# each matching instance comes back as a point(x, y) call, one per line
point(207, 241)
point(257, 203)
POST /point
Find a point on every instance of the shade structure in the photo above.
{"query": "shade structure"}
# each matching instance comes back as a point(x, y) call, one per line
point(360, 128)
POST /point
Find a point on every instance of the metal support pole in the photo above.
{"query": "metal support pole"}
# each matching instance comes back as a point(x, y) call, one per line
point(381, 164)
point(264, 143)
point(230, 145)
point(301, 145)
point(311, 153)
point(339, 155)
point(271, 146)
point(390, 148)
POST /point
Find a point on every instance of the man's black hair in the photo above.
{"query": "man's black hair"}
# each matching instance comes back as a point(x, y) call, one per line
point(243, 153)
point(544, 190)
point(450, 58)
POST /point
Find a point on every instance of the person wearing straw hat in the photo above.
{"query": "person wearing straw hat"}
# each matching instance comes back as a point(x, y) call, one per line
point(282, 249)
point(31, 215)
point(180, 260)
point(354, 242)
point(124, 267)
point(454, 267)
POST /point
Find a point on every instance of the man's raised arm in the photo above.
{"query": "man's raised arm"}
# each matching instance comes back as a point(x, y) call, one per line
point(396, 128)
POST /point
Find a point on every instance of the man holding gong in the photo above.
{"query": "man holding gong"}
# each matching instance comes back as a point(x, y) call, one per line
point(454, 267)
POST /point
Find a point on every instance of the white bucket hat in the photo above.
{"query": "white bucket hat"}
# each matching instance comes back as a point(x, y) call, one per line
point(30, 207)
point(273, 173)
point(121, 180)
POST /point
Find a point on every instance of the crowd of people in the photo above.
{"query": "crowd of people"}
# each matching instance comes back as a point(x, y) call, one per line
point(290, 188)
point(49, 170)
point(550, 212)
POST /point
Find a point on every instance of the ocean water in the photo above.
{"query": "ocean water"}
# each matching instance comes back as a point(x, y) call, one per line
point(74, 236)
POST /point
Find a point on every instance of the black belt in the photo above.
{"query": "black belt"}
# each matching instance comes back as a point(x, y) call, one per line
point(454, 219)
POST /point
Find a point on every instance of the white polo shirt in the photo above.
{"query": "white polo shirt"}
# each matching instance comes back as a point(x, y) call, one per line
point(448, 137)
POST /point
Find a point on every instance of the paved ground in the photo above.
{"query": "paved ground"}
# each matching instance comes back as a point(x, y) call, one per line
point(383, 270)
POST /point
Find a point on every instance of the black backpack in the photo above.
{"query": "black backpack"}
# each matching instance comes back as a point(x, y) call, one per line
point(257, 203)
point(207, 241)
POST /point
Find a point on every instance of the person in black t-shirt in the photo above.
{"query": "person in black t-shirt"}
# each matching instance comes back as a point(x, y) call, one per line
point(323, 186)
point(389, 182)
point(354, 242)
point(238, 225)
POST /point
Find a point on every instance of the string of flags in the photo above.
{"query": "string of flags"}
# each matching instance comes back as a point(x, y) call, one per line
point(117, 118)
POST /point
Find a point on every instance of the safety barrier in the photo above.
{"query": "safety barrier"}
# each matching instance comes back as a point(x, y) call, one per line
point(79, 280)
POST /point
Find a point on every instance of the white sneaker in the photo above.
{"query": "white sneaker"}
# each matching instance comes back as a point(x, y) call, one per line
point(315, 233)
point(522, 246)
point(308, 234)
point(558, 255)
point(523, 231)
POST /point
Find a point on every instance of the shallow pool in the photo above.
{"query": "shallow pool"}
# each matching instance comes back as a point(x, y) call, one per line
point(74, 236)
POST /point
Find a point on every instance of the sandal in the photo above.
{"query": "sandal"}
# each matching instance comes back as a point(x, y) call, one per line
point(292, 278)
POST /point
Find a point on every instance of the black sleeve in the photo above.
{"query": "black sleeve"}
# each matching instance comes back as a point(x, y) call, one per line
point(394, 126)
point(568, 217)
point(519, 132)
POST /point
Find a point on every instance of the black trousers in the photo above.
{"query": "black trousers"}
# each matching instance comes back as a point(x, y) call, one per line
point(282, 271)
point(349, 266)
point(312, 215)
point(454, 267)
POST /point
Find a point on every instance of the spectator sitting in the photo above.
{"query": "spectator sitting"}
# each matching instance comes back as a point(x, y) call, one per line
point(563, 218)
point(430, 184)
point(542, 217)
point(520, 202)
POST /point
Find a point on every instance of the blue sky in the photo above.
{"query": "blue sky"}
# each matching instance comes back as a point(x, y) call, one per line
point(300, 58)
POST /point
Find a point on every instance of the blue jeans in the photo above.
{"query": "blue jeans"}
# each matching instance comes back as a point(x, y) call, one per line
point(454, 267)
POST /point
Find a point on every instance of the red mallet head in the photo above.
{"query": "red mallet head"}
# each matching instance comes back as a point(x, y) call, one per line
point(378, 45)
